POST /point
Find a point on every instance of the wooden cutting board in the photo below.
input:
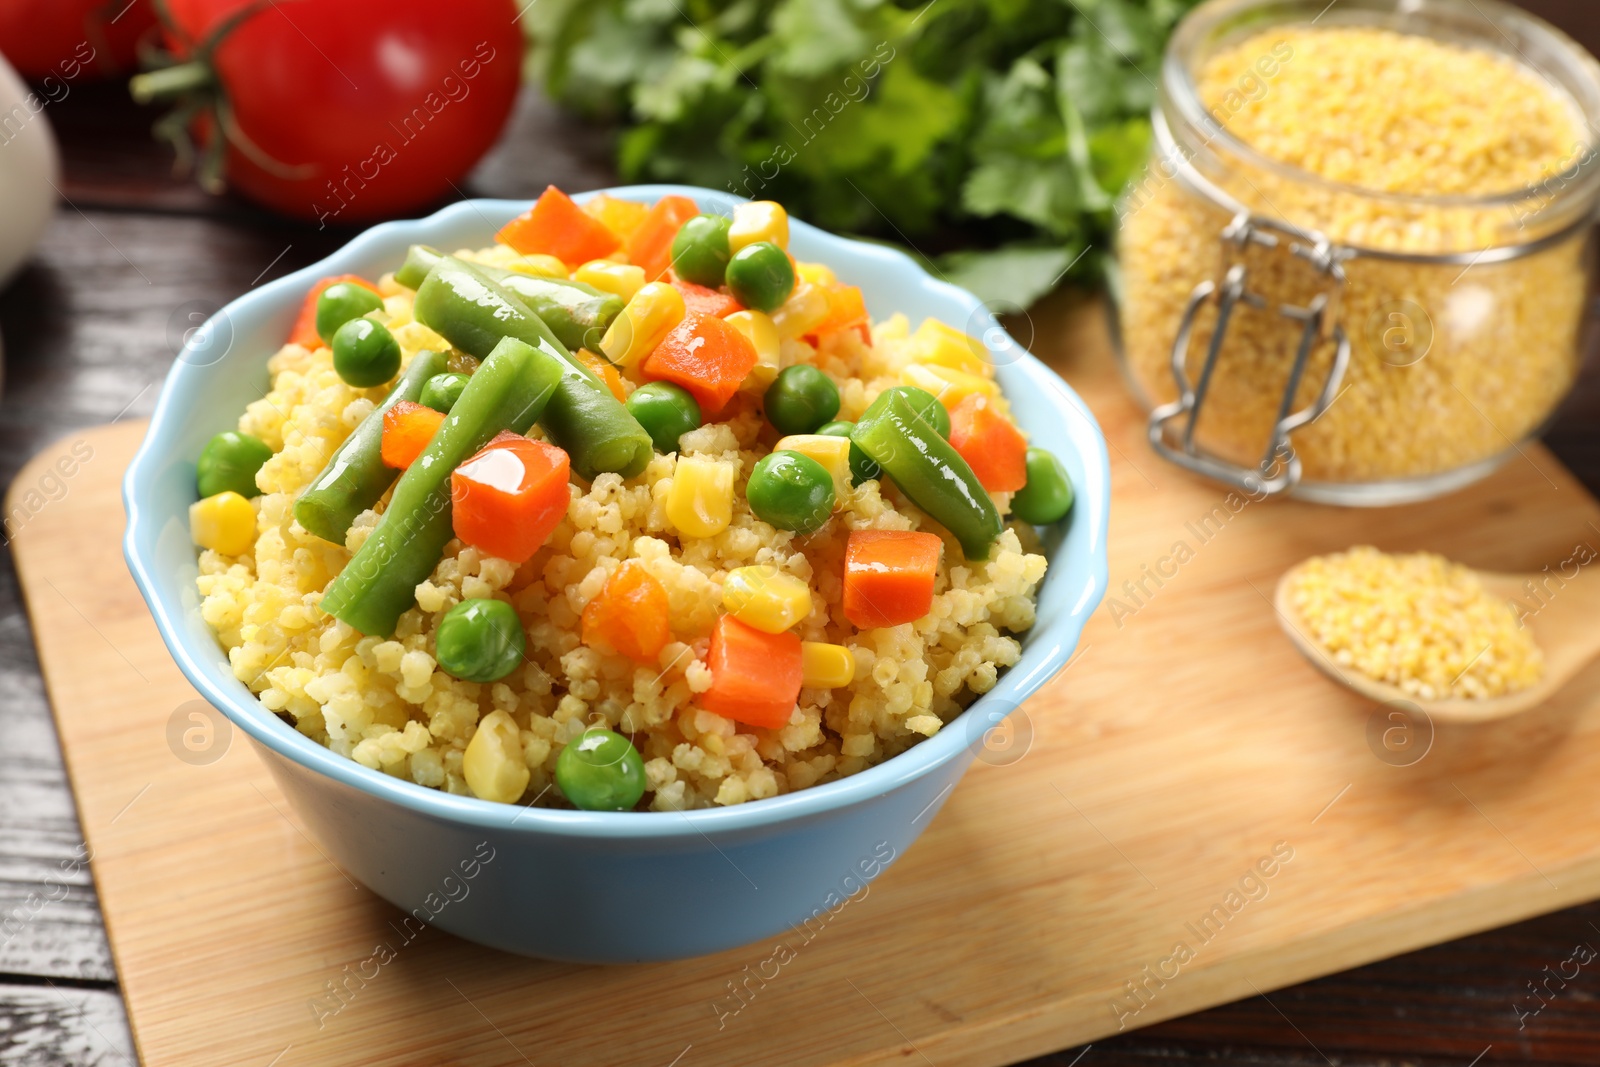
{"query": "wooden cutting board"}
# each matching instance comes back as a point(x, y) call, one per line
point(1187, 781)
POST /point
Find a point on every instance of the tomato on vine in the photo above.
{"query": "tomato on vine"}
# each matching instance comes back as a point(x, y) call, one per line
point(337, 111)
point(58, 41)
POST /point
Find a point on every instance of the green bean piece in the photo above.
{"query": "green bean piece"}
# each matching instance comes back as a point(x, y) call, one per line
point(931, 472)
point(583, 418)
point(420, 259)
point(230, 461)
point(576, 313)
point(356, 476)
point(923, 403)
point(508, 392)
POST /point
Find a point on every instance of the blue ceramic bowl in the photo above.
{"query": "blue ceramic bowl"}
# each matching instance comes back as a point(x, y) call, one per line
point(592, 886)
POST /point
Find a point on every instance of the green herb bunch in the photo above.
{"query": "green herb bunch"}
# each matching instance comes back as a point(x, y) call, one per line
point(990, 135)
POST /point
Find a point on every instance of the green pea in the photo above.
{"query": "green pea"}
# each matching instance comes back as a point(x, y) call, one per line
point(230, 461)
point(443, 390)
point(365, 353)
point(791, 491)
point(700, 251)
point(666, 412)
point(923, 403)
point(1048, 495)
point(760, 276)
point(863, 468)
point(480, 640)
point(601, 771)
point(340, 303)
point(800, 399)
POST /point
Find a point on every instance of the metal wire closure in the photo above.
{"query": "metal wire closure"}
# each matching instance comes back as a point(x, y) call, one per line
point(1279, 469)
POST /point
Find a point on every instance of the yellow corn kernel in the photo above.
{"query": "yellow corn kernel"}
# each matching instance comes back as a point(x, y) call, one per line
point(224, 523)
point(493, 765)
point(700, 502)
point(832, 452)
point(757, 326)
point(816, 273)
point(952, 386)
point(761, 220)
point(946, 346)
point(825, 666)
point(803, 312)
point(766, 598)
point(621, 217)
point(539, 265)
point(619, 279)
point(649, 316)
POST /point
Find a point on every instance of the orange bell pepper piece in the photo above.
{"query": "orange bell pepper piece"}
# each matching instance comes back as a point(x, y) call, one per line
point(650, 246)
point(555, 226)
point(621, 217)
point(704, 355)
point(847, 310)
point(606, 371)
point(706, 301)
point(888, 576)
point(305, 333)
point(507, 499)
point(755, 676)
point(407, 429)
point(992, 446)
point(630, 614)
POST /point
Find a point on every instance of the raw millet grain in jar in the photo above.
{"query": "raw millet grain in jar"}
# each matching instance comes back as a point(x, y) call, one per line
point(1448, 366)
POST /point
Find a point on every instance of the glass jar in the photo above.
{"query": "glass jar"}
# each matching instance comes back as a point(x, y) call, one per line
point(1351, 345)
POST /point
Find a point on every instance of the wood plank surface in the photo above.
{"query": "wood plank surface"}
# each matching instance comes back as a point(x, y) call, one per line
point(80, 301)
point(1186, 743)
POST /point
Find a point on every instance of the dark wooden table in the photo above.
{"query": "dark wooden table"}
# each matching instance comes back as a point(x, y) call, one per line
point(89, 330)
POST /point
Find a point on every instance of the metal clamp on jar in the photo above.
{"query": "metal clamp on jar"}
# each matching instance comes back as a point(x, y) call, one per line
point(1353, 345)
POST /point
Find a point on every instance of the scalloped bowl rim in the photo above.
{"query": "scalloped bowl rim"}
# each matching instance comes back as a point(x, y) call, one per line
point(1037, 665)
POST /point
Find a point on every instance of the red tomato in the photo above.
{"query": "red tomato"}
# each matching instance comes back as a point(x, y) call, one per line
point(68, 39)
point(346, 110)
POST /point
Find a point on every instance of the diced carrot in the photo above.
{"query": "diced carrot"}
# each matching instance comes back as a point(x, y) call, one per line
point(630, 614)
point(650, 246)
point(555, 226)
point(847, 310)
point(755, 676)
point(606, 371)
point(706, 301)
point(888, 576)
point(704, 355)
point(407, 429)
point(304, 333)
point(990, 443)
point(507, 499)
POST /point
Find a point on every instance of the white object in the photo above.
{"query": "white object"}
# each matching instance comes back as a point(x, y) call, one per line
point(30, 169)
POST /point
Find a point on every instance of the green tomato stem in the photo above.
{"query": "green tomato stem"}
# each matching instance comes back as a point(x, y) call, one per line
point(171, 82)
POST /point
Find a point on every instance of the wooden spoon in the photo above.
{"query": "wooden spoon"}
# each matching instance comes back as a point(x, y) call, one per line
point(1565, 620)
